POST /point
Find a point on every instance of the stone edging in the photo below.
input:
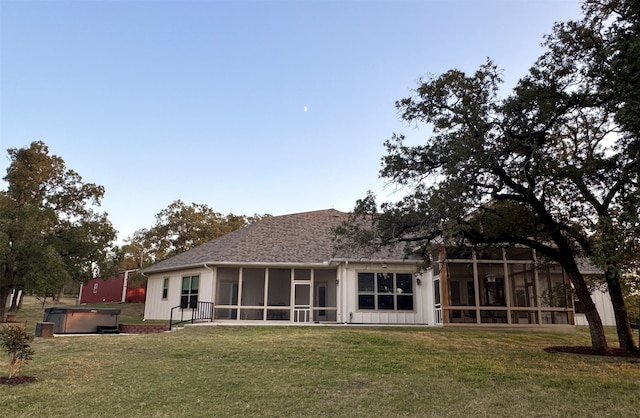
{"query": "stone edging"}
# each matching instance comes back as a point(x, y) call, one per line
point(142, 328)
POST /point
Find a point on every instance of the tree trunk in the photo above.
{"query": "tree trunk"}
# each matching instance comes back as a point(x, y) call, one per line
point(60, 294)
point(20, 300)
point(4, 295)
point(14, 300)
point(596, 329)
point(623, 326)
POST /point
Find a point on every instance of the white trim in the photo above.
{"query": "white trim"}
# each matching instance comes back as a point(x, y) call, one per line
point(125, 283)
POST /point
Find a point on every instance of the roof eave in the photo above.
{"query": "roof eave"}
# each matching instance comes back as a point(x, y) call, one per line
point(210, 264)
point(335, 261)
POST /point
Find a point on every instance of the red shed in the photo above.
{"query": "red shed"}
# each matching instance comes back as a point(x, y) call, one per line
point(113, 289)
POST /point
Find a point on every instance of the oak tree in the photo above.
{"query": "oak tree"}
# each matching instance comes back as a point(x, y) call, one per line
point(50, 230)
point(179, 228)
point(554, 166)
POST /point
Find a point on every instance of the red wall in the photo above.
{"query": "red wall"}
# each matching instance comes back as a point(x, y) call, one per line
point(108, 290)
point(135, 294)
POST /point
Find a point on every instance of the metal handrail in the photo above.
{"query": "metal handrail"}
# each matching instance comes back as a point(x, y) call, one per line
point(203, 310)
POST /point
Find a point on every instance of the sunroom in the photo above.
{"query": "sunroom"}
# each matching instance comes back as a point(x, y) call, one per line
point(500, 287)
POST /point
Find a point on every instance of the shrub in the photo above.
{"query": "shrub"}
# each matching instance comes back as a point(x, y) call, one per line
point(15, 340)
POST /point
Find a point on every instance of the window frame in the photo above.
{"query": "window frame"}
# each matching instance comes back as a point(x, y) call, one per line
point(189, 294)
point(378, 292)
point(165, 288)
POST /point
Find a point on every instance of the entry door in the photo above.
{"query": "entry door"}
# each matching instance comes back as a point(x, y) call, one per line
point(302, 302)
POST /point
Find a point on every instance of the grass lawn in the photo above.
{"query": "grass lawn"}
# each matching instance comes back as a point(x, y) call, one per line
point(321, 371)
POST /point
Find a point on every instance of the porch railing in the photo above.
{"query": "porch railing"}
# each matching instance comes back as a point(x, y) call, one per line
point(202, 311)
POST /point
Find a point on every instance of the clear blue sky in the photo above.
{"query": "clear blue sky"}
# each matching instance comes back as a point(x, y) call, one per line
point(205, 101)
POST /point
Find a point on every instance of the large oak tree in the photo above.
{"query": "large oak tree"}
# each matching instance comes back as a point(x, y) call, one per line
point(50, 229)
point(554, 166)
point(179, 228)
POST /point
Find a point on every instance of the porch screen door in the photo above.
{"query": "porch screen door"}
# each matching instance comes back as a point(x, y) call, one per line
point(302, 302)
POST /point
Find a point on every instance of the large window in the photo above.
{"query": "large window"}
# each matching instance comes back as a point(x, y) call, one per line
point(189, 295)
point(385, 291)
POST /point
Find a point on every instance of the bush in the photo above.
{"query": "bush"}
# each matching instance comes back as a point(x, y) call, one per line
point(15, 340)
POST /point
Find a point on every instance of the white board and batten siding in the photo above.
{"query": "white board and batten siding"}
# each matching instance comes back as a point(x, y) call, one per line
point(160, 309)
point(422, 314)
point(604, 306)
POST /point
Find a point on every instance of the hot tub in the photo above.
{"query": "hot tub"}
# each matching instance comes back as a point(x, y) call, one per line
point(77, 320)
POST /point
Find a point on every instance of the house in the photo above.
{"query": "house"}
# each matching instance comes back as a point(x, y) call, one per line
point(285, 269)
point(113, 289)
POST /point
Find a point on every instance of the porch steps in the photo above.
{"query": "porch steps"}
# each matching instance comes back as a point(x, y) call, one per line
point(103, 329)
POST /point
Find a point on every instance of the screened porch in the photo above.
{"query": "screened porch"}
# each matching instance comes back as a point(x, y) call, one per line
point(300, 295)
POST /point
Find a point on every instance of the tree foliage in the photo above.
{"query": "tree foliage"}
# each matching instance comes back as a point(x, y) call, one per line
point(179, 228)
point(16, 342)
point(554, 166)
point(50, 229)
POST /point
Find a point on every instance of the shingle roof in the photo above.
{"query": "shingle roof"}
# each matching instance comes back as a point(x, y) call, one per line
point(301, 238)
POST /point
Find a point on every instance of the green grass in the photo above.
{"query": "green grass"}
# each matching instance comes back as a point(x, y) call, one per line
point(321, 371)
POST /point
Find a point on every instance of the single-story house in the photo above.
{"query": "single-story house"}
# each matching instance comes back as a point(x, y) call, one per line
point(286, 269)
point(112, 289)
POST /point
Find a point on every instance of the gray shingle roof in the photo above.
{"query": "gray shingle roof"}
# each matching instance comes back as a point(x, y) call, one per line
point(301, 238)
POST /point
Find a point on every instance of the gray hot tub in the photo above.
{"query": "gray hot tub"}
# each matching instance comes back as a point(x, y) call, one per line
point(77, 320)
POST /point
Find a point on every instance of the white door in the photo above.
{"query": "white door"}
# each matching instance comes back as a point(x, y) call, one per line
point(302, 302)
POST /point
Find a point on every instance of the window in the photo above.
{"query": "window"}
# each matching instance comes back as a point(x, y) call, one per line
point(95, 288)
point(165, 288)
point(189, 295)
point(385, 291)
point(436, 292)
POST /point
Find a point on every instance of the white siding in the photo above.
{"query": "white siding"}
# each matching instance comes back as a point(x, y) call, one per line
point(155, 308)
point(604, 307)
point(422, 314)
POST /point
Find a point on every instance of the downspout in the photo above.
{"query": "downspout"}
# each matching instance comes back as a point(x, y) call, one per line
point(345, 274)
point(145, 299)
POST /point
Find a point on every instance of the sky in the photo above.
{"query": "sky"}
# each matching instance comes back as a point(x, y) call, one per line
point(267, 107)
